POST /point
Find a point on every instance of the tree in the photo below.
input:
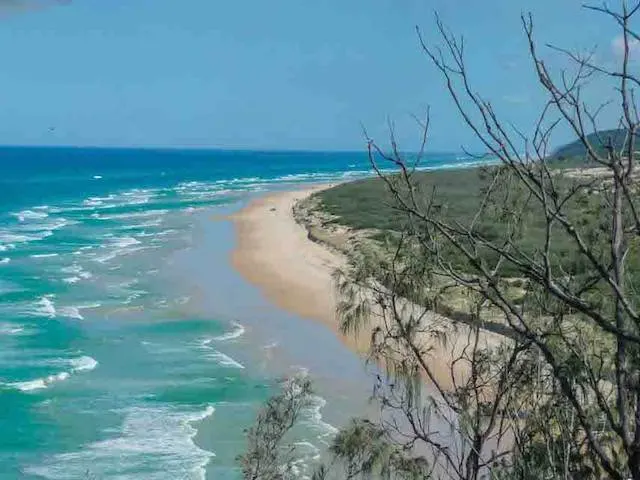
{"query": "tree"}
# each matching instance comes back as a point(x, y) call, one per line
point(575, 326)
point(268, 457)
point(549, 260)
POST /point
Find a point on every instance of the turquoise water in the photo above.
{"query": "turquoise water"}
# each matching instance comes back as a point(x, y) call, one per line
point(128, 348)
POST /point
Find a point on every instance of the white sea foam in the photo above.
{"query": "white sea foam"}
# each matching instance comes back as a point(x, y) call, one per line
point(312, 415)
point(133, 226)
point(138, 196)
point(120, 245)
point(134, 296)
point(307, 454)
point(4, 261)
point(115, 200)
point(224, 360)
point(126, 216)
point(83, 250)
point(80, 364)
point(129, 283)
point(325, 430)
point(40, 383)
point(70, 312)
point(97, 177)
point(44, 255)
point(238, 331)
point(77, 272)
point(45, 307)
point(31, 231)
point(192, 210)
point(155, 443)
point(204, 190)
point(11, 329)
point(83, 364)
point(9, 238)
point(183, 300)
point(25, 215)
point(89, 306)
point(30, 385)
point(93, 202)
point(315, 432)
point(47, 227)
point(208, 194)
point(74, 311)
point(165, 232)
point(123, 242)
point(239, 180)
point(120, 251)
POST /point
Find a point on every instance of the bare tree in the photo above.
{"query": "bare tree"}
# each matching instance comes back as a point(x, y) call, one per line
point(560, 396)
point(543, 377)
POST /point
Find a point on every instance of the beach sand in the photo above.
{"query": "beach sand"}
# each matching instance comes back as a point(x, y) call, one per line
point(274, 253)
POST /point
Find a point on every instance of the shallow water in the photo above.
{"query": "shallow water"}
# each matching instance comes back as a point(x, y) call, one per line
point(128, 346)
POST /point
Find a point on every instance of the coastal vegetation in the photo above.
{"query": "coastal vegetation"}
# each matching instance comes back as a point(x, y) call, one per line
point(599, 141)
point(525, 273)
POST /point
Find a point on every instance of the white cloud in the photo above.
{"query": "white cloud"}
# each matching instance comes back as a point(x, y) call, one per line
point(617, 45)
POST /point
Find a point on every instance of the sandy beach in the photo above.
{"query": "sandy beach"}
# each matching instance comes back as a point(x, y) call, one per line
point(274, 253)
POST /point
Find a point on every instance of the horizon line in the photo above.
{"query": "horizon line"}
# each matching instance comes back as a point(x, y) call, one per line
point(211, 148)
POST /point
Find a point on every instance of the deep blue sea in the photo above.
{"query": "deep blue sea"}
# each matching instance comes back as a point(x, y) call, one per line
point(118, 357)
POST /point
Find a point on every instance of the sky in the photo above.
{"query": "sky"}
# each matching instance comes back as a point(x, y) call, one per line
point(277, 74)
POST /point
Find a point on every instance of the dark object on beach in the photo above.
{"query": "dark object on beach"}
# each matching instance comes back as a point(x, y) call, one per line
point(273, 209)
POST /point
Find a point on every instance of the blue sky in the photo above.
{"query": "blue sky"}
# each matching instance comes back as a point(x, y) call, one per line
point(277, 74)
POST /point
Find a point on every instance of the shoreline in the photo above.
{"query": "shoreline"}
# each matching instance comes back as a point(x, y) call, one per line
point(275, 253)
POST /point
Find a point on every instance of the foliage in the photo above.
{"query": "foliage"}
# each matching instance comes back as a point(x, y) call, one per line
point(267, 456)
point(456, 194)
point(548, 254)
point(599, 140)
point(365, 450)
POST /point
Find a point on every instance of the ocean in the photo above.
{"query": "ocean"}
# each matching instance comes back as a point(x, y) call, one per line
point(128, 347)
